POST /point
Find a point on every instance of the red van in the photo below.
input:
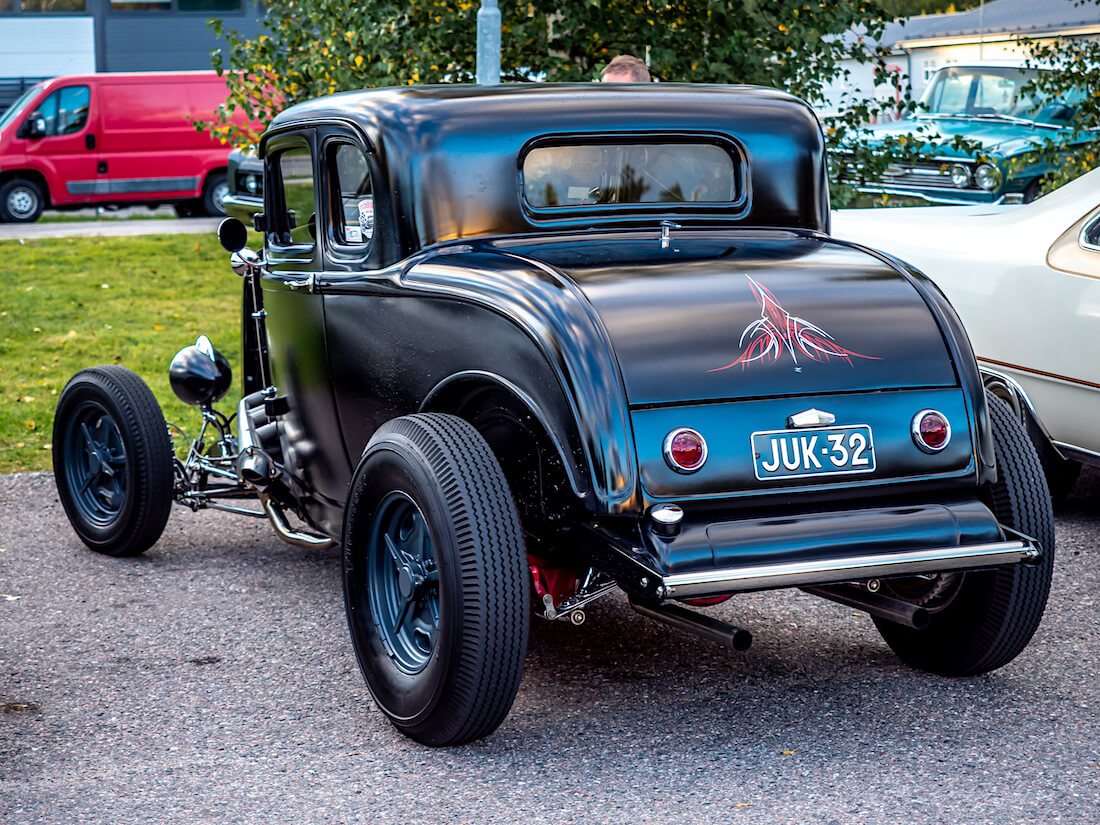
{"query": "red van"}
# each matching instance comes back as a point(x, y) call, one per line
point(113, 139)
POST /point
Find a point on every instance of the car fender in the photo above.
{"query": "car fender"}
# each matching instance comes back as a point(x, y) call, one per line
point(558, 319)
point(962, 353)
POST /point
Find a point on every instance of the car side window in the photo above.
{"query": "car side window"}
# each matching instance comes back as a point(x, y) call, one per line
point(297, 225)
point(65, 111)
point(353, 212)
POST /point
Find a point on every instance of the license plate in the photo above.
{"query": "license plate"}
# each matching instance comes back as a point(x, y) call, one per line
point(818, 452)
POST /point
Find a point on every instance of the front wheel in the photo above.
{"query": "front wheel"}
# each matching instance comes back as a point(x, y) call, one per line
point(21, 201)
point(112, 460)
point(435, 581)
point(981, 621)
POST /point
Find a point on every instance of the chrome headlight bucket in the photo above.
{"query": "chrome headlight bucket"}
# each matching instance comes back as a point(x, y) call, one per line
point(960, 176)
point(987, 176)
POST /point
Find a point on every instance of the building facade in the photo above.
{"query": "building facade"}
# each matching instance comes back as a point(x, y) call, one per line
point(46, 38)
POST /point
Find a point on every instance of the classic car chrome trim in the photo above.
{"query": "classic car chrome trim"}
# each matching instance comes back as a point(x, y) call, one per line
point(1082, 239)
point(1077, 453)
point(909, 193)
point(812, 417)
point(914, 429)
point(822, 571)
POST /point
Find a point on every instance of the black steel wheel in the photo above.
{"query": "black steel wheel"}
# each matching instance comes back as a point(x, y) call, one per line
point(435, 581)
point(21, 201)
point(112, 460)
point(980, 621)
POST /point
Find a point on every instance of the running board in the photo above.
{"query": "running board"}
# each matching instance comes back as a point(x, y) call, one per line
point(850, 568)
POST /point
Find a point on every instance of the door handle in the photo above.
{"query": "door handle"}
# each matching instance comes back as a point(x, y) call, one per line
point(89, 141)
point(310, 283)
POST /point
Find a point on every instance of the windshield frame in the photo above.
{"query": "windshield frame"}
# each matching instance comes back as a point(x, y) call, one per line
point(20, 105)
point(1028, 76)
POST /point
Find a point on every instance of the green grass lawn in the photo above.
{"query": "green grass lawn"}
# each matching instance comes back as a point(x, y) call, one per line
point(69, 303)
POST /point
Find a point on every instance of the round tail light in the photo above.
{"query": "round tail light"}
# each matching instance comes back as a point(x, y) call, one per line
point(685, 450)
point(931, 431)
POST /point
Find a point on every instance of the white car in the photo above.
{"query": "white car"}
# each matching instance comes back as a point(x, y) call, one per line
point(1026, 282)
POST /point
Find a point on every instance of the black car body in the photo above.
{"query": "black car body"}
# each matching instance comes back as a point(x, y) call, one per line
point(533, 343)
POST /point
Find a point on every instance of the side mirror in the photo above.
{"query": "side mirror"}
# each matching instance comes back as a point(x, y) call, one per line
point(232, 235)
point(36, 127)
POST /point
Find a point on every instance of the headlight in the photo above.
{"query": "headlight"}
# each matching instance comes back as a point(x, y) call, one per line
point(988, 177)
point(960, 176)
point(251, 183)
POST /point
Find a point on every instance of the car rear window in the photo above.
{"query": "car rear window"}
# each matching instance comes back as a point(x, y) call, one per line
point(629, 173)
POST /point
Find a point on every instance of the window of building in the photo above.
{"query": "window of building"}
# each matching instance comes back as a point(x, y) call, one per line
point(201, 6)
point(46, 6)
point(354, 214)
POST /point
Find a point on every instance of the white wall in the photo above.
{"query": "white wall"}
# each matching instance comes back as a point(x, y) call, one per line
point(46, 46)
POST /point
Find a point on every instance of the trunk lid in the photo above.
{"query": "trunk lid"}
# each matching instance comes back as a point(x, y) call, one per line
point(729, 316)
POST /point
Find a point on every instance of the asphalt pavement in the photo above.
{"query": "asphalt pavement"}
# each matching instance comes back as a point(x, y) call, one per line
point(212, 680)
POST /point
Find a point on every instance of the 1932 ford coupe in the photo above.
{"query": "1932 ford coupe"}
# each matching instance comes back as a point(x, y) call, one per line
point(517, 347)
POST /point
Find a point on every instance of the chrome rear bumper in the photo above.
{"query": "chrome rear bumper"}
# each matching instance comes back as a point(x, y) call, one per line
point(849, 568)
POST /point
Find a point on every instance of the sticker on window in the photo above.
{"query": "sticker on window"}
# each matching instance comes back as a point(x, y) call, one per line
point(353, 234)
point(366, 218)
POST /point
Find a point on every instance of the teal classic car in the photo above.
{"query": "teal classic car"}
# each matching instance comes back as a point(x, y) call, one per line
point(994, 107)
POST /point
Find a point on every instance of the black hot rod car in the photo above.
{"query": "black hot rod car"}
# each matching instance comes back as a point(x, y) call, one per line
point(516, 347)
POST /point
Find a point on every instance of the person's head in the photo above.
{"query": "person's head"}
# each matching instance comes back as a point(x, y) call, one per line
point(625, 69)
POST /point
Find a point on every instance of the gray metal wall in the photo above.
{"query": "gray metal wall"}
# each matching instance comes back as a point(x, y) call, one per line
point(148, 41)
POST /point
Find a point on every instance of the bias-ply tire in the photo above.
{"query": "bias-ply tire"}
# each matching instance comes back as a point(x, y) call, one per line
point(431, 532)
point(112, 460)
point(993, 614)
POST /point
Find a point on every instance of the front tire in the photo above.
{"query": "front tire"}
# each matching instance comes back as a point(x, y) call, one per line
point(21, 201)
point(435, 581)
point(112, 460)
point(988, 617)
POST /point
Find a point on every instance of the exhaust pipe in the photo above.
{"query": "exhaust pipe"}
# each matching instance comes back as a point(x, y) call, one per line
point(707, 627)
point(878, 605)
point(254, 466)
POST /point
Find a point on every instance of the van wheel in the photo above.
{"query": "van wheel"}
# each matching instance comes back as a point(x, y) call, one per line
point(435, 579)
point(112, 460)
point(981, 621)
point(21, 201)
point(214, 193)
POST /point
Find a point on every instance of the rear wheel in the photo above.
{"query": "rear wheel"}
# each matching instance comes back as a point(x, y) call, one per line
point(112, 460)
point(188, 209)
point(21, 201)
point(435, 579)
point(981, 621)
